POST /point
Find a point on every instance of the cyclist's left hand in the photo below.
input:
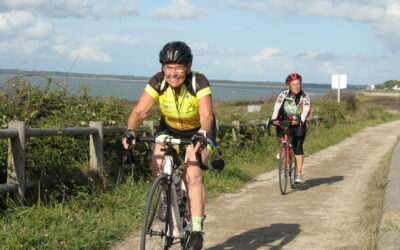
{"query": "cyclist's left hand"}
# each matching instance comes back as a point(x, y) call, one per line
point(199, 142)
point(295, 122)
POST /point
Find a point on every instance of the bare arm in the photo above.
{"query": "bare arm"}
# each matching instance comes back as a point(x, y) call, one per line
point(140, 111)
point(206, 113)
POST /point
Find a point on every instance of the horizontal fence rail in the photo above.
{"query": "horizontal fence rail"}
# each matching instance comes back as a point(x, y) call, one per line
point(17, 134)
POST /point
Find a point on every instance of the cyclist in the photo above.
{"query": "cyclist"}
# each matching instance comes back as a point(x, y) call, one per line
point(294, 104)
point(184, 98)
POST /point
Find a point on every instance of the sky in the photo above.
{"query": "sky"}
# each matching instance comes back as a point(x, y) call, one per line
point(242, 40)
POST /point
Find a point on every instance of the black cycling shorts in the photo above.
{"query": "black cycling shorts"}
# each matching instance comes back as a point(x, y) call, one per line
point(298, 134)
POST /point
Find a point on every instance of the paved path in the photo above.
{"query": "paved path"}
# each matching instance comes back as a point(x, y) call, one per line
point(320, 215)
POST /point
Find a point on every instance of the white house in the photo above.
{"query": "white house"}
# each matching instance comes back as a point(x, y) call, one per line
point(396, 87)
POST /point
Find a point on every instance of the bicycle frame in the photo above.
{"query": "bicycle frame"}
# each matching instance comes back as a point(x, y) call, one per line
point(287, 144)
point(168, 168)
point(172, 226)
point(286, 166)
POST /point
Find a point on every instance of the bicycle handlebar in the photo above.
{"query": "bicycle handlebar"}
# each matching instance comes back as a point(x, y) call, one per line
point(217, 165)
point(285, 123)
point(166, 140)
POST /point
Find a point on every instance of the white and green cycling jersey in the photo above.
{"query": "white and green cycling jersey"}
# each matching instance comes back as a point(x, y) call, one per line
point(286, 105)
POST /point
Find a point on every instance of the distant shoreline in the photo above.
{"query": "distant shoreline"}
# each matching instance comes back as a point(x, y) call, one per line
point(134, 79)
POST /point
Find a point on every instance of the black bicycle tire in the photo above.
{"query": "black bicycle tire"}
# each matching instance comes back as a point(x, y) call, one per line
point(282, 171)
point(186, 218)
point(150, 212)
point(293, 170)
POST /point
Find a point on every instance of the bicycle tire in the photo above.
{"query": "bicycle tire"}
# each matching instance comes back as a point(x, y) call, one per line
point(293, 169)
point(283, 173)
point(186, 221)
point(156, 219)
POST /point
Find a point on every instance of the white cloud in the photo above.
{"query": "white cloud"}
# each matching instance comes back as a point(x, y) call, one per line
point(112, 39)
point(22, 33)
point(388, 27)
point(39, 30)
point(75, 8)
point(178, 9)
point(330, 68)
point(89, 53)
point(353, 11)
point(266, 54)
point(316, 55)
point(384, 15)
point(360, 11)
point(14, 20)
point(90, 48)
point(22, 23)
point(22, 47)
point(202, 48)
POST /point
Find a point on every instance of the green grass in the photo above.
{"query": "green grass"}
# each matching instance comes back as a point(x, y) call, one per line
point(84, 222)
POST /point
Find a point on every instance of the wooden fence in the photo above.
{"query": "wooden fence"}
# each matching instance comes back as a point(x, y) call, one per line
point(17, 134)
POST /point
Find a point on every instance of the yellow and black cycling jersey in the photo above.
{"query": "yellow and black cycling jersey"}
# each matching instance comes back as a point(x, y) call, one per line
point(182, 112)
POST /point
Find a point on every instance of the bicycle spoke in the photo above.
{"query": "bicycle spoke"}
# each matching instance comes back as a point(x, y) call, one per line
point(282, 170)
point(154, 222)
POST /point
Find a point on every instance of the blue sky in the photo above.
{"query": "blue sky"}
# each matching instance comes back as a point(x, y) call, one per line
point(256, 40)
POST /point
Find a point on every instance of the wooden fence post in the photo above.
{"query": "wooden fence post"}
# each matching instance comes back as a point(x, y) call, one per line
point(235, 130)
point(16, 159)
point(96, 147)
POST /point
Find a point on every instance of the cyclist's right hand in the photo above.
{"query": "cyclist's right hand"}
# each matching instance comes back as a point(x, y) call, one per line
point(129, 139)
point(276, 122)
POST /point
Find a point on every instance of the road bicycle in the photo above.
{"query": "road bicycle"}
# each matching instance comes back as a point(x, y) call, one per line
point(286, 163)
point(166, 219)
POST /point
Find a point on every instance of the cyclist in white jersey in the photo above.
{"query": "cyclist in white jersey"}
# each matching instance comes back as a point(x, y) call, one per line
point(293, 104)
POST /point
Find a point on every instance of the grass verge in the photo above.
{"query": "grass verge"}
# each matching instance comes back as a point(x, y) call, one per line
point(370, 216)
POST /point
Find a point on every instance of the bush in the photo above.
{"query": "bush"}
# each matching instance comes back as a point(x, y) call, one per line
point(59, 163)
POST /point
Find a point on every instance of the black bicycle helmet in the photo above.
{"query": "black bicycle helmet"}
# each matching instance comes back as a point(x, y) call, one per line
point(291, 77)
point(176, 52)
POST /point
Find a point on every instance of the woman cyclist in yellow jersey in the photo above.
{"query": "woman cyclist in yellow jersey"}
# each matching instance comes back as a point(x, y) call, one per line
point(185, 102)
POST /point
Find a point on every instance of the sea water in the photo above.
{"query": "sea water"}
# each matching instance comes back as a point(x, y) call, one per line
point(133, 89)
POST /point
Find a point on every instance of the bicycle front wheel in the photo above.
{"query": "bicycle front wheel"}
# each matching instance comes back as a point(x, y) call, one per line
point(283, 173)
point(155, 221)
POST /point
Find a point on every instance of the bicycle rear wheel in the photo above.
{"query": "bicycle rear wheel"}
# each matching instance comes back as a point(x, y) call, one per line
point(283, 173)
point(293, 169)
point(156, 219)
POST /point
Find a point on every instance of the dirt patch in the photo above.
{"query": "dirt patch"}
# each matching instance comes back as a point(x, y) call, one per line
point(392, 94)
point(319, 214)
